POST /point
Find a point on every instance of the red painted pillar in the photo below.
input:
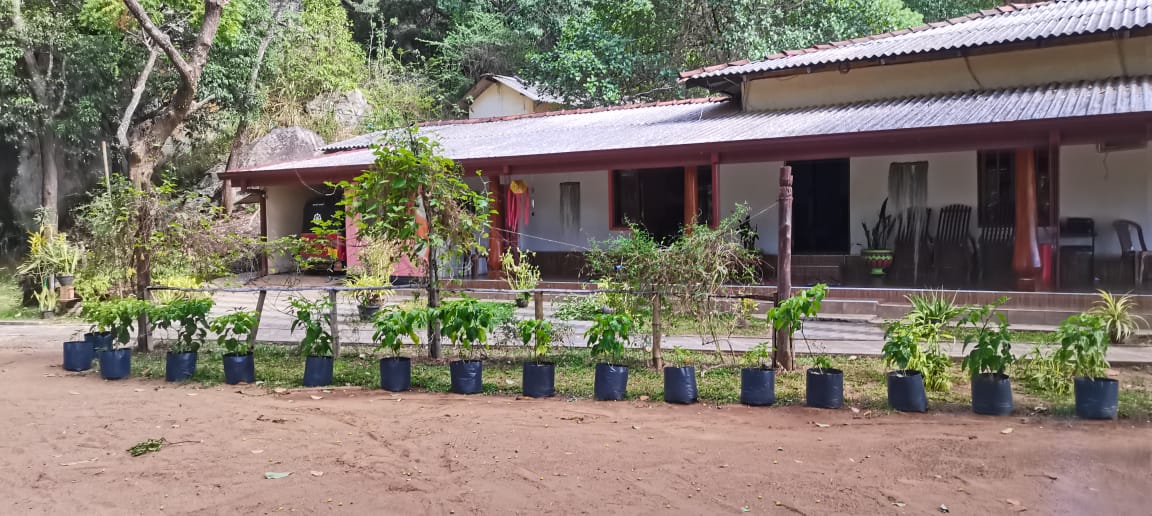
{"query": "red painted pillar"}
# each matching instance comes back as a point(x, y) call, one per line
point(1026, 251)
point(496, 231)
point(691, 196)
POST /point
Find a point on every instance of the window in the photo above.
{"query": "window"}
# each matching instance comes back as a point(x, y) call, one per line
point(996, 184)
point(654, 199)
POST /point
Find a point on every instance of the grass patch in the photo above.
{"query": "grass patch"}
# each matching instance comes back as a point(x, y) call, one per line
point(10, 297)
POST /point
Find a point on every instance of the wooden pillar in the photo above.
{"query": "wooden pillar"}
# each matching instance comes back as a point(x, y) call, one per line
point(784, 355)
point(691, 197)
point(334, 323)
point(1054, 199)
point(1026, 252)
point(496, 232)
point(538, 305)
point(657, 334)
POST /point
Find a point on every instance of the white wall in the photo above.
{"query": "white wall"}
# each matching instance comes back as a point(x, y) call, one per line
point(1106, 187)
point(285, 217)
point(758, 185)
point(500, 100)
point(544, 231)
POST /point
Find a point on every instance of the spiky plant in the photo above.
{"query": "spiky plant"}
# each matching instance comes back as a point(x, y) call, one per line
point(1117, 314)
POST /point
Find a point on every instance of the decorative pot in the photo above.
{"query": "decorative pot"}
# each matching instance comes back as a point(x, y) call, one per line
point(992, 394)
point(467, 376)
point(680, 385)
point(115, 364)
point(65, 280)
point(179, 366)
point(611, 382)
point(100, 340)
point(906, 391)
point(367, 312)
point(396, 374)
point(317, 371)
point(878, 260)
point(521, 302)
point(539, 379)
point(239, 368)
point(757, 386)
point(1096, 398)
point(824, 388)
point(78, 355)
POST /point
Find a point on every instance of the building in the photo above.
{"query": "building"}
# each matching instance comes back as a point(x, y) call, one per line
point(1011, 143)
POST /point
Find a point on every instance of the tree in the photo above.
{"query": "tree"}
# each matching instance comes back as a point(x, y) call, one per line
point(408, 181)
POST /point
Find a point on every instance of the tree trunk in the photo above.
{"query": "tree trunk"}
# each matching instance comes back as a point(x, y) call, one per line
point(142, 263)
point(433, 276)
point(785, 356)
point(50, 175)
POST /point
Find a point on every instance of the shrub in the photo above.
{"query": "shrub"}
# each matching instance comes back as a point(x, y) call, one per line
point(189, 316)
point(991, 342)
point(608, 336)
point(466, 322)
point(520, 274)
point(759, 356)
point(1083, 340)
point(537, 336)
point(315, 318)
point(1116, 314)
point(232, 330)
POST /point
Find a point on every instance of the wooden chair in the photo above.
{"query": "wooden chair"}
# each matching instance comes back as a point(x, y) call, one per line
point(953, 246)
point(1129, 251)
point(995, 256)
point(907, 267)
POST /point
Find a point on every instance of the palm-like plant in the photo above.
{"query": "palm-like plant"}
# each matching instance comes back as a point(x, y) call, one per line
point(1117, 314)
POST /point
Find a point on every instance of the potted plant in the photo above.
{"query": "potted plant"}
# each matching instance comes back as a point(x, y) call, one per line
point(876, 252)
point(232, 330)
point(47, 298)
point(520, 274)
point(905, 384)
point(539, 376)
point(368, 302)
point(607, 337)
point(1083, 340)
point(78, 355)
point(391, 326)
point(466, 323)
point(190, 318)
point(991, 354)
point(116, 363)
point(1117, 314)
point(823, 385)
point(66, 259)
point(757, 377)
point(315, 318)
point(101, 318)
point(680, 378)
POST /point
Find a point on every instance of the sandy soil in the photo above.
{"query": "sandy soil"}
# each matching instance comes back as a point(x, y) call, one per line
point(65, 436)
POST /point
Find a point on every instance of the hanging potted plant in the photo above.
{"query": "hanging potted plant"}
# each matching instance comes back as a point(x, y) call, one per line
point(823, 385)
point(315, 318)
point(905, 384)
point(466, 323)
point(391, 326)
point(877, 255)
point(116, 363)
point(757, 377)
point(607, 337)
point(232, 331)
point(990, 356)
point(520, 274)
point(1083, 342)
point(538, 379)
point(190, 318)
point(680, 378)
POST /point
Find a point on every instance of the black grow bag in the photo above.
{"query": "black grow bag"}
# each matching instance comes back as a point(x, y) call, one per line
point(115, 364)
point(179, 366)
point(824, 388)
point(611, 382)
point(100, 341)
point(396, 374)
point(78, 355)
point(906, 391)
point(992, 394)
point(467, 376)
point(539, 379)
point(757, 386)
point(1096, 398)
point(317, 371)
point(239, 368)
point(680, 385)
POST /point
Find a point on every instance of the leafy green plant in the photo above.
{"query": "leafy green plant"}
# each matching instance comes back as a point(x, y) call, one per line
point(578, 308)
point(368, 297)
point(991, 341)
point(520, 273)
point(759, 356)
point(1044, 372)
point(933, 313)
point(314, 316)
point(680, 357)
point(466, 322)
point(1117, 314)
point(822, 363)
point(902, 347)
point(392, 324)
point(878, 235)
point(118, 316)
point(47, 298)
point(189, 316)
point(608, 336)
point(1083, 340)
point(537, 336)
point(232, 330)
point(791, 313)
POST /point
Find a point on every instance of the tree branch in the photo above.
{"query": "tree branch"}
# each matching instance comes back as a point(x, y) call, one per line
point(159, 38)
point(199, 104)
point(63, 89)
point(137, 93)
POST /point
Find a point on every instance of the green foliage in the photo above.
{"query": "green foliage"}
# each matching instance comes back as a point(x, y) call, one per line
point(1083, 340)
point(1046, 373)
point(1117, 314)
point(317, 55)
point(466, 322)
point(934, 314)
point(935, 10)
point(537, 336)
point(991, 341)
point(902, 346)
point(117, 316)
point(877, 236)
point(314, 316)
point(760, 355)
point(189, 316)
point(393, 324)
point(232, 330)
point(520, 273)
point(608, 336)
point(47, 299)
point(791, 313)
point(822, 362)
point(578, 308)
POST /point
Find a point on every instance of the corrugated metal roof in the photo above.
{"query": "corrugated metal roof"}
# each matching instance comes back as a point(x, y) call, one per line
point(1006, 24)
point(524, 88)
point(719, 122)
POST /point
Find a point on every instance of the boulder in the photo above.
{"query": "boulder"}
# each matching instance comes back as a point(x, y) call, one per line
point(280, 145)
point(348, 109)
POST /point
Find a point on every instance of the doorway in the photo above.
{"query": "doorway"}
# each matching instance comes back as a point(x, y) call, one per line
point(821, 222)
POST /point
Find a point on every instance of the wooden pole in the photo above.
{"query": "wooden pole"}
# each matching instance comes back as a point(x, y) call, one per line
point(657, 357)
point(107, 168)
point(784, 354)
point(538, 301)
point(496, 232)
point(334, 321)
point(691, 197)
point(1026, 251)
point(259, 313)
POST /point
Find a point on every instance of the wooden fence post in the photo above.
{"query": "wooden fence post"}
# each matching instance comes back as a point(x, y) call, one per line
point(334, 321)
point(259, 312)
point(657, 357)
point(784, 355)
point(538, 301)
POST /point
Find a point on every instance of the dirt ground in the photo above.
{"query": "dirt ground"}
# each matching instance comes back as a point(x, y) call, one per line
point(65, 436)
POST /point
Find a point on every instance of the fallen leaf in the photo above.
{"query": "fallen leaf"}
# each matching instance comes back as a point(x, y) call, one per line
point(77, 463)
point(192, 394)
point(279, 390)
point(1006, 431)
point(255, 452)
point(139, 390)
point(509, 381)
point(273, 475)
point(899, 504)
point(315, 397)
point(745, 509)
point(74, 393)
point(822, 425)
point(944, 508)
point(644, 398)
point(634, 427)
point(316, 473)
point(855, 410)
point(1012, 502)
